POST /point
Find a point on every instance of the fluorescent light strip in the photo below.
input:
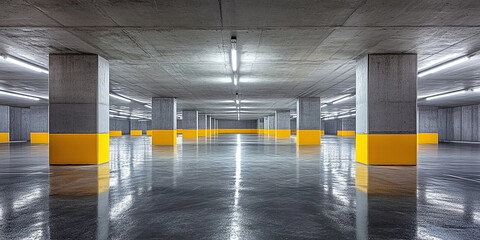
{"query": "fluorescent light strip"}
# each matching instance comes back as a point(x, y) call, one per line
point(25, 64)
point(445, 95)
point(148, 106)
point(120, 97)
point(235, 79)
point(19, 95)
point(444, 66)
point(323, 105)
point(342, 99)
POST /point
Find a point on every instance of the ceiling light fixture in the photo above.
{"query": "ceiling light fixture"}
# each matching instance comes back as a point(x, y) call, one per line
point(120, 97)
point(148, 106)
point(343, 99)
point(442, 95)
point(323, 105)
point(237, 99)
point(444, 66)
point(235, 79)
point(234, 54)
point(24, 64)
point(19, 95)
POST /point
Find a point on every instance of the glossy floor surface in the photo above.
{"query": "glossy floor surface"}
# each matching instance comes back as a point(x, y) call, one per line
point(239, 187)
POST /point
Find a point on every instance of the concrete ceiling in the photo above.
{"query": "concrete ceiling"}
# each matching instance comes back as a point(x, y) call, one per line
point(287, 49)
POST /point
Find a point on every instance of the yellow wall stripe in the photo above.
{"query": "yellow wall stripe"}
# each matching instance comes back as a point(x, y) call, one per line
point(79, 148)
point(224, 130)
point(283, 133)
point(308, 137)
point(39, 137)
point(4, 137)
point(136, 133)
point(149, 132)
point(386, 149)
point(164, 137)
point(345, 133)
point(190, 133)
point(180, 131)
point(202, 132)
point(115, 133)
point(431, 138)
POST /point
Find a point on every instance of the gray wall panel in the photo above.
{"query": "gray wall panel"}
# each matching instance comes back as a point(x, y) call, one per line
point(237, 124)
point(19, 124)
point(39, 119)
point(4, 119)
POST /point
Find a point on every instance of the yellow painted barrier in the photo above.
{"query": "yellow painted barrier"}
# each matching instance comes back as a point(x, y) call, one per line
point(136, 133)
point(282, 133)
point(79, 148)
point(115, 133)
point(149, 132)
point(308, 137)
point(431, 138)
point(164, 137)
point(190, 133)
point(202, 132)
point(322, 132)
point(39, 137)
point(4, 137)
point(345, 133)
point(180, 131)
point(386, 149)
point(223, 130)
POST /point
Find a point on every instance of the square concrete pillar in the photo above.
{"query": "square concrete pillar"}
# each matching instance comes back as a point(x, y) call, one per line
point(260, 125)
point(282, 124)
point(308, 121)
point(164, 121)
point(190, 123)
point(386, 102)
point(427, 123)
point(202, 125)
point(265, 125)
point(4, 124)
point(271, 126)
point(210, 125)
point(39, 124)
point(79, 109)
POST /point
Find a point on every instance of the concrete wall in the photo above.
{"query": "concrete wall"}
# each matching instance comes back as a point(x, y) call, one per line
point(293, 126)
point(39, 119)
point(347, 124)
point(427, 119)
point(139, 125)
point(331, 126)
point(4, 119)
point(237, 124)
point(179, 124)
point(120, 125)
point(459, 123)
point(19, 124)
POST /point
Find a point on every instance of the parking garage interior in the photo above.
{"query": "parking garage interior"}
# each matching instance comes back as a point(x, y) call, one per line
point(227, 119)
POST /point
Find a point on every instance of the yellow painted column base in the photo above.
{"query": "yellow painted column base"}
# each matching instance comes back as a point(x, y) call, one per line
point(386, 149)
point(164, 137)
point(271, 132)
point(39, 137)
point(283, 133)
point(115, 133)
point(345, 133)
point(149, 132)
point(430, 138)
point(180, 131)
point(261, 131)
point(189, 133)
point(4, 137)
point(79, 148)
point(136, 133)
point(308, 137)
point(322, 132)
point(202, 132)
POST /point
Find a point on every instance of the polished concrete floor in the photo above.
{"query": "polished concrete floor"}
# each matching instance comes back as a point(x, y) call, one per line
point(239, 187)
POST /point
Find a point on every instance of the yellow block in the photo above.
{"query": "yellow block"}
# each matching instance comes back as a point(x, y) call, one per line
point(79, 148)
point(164, 137)
point(390, 180)
point(427, 138)
point(282, 133)
point(136, 133)
point(82, 181)
point(202, 132)
point(149, 132)
point(115, 133)
point(4, 137)
point(39, 137)
point(386, 149)
point(190, 133)
point(322, 132)
point(345, 133)
point(260, 131)
point(180, 131)
point(224, 130)
point(308, 137)
point(271, 132)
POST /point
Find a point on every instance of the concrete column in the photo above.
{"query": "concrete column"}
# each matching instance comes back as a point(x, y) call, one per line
point(4, 124)
point(190, 123)
point(202, 125)
point(79, 109)
point(427, 123)
point(265, 125)
point(210, 125)
point(149, 128)
point(308, 121)
point(39, 124)
point(386, 109)
point(346, 126)
point(135, 128)
point(164, 121)
point(217, 129)
point(260, 123)
point(19, 124)
point(271, 126)
point(282, 124)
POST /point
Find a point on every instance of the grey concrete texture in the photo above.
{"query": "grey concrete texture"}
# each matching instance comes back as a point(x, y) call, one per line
point(190, 119)
point(4, 119)
point(19, 124)
point(210, 122)
point(139, 125)
point(308, 113)
point(386, 89)
point(459, 124)
point(78, 93)
point(164, 113)
point(427, 119)
point(265, 123)
point(120, 125)
point(331, 127)
point(202, 121)
point(282, 119)
point(260, 123)
point(39, 118)
point(237, 124)
point(347, 124)
point(179, 124)
point(271, 122)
